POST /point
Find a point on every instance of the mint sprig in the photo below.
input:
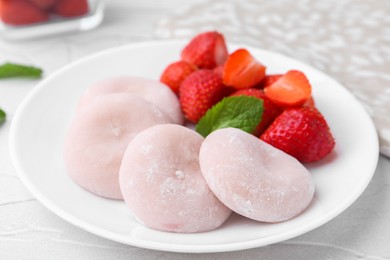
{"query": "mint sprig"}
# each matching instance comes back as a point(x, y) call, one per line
point(3, 115)
point(241, 112)
point(13, 70)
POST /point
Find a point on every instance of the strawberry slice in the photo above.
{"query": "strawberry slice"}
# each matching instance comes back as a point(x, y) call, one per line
point(20, 12)
point(206, 50)
point(301, 132)
point(242, 70)
point(176, 73)
point(270, 110)
point(199, 92)
point(70, 8)
point(292, 89)
point(269, 80)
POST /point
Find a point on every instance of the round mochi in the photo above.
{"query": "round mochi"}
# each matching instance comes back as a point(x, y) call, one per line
point(162, 184)
point(98, 137)
point(153, 91)
point(253, 178)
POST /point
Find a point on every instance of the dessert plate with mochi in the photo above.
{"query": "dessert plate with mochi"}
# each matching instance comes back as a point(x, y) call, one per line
point(104, 148)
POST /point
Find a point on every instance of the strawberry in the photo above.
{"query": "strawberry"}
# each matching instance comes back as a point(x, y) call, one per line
point(20, 12)
point(270, 110)
point(242, 70)
point(301, 132)
point(219, 70)
point(269, 80)
point(292, 89)
point(70, 8)
point(207, 50)
point(176, 73)
point(310, 103)
point(43, 4)
point(199, 92)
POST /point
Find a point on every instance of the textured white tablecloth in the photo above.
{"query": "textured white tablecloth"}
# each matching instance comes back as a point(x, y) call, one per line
point(30, 231)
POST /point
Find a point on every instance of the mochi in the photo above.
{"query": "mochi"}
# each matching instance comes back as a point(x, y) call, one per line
point(98, 137)
point(151, 90)
point(253, 178)
point(162, 184)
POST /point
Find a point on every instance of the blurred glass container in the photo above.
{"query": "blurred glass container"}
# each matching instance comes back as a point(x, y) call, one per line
point(56, 24)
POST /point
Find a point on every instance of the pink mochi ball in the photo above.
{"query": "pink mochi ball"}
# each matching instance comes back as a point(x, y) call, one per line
point(162, 184)
point(253, 178)
point(151, 90)
point(98, 137)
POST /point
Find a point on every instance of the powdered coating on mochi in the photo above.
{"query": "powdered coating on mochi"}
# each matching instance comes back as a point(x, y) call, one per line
point(98, 137)
point(153, 91)
point(162, 184)
point(253, 178)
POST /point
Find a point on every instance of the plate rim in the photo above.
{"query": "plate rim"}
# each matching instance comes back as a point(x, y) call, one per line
point(187, 248)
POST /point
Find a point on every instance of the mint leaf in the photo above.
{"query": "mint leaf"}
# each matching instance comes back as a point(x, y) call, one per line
point(241, 112)
point(12, 70)
point(2, 116)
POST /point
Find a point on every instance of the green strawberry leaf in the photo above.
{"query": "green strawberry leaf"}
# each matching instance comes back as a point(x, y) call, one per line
point(12, 70)
point(2, 116)
point(242, 112)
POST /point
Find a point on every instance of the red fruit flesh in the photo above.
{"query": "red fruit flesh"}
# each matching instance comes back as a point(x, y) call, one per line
point(270, 110)
point(291, 90)
point(269, 80)
point(176, 73)
point(20, 12)
point(199, 92)
point(301, 132)
point(242, 70)
point(206, 50)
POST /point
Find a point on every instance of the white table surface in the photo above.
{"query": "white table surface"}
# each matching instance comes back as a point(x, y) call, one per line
point(30, 231)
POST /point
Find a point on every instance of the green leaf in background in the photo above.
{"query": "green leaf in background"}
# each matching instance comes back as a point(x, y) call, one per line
point(2, 116)
point(242, 112)
point(12, 70)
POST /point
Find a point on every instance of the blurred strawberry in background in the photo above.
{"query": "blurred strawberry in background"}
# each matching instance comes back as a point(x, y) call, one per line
point(25, 12)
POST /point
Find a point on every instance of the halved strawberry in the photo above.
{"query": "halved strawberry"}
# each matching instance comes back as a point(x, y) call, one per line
point(292, 89)
point(176, 73)
point(269, 80)
point(70, 8)
point(206, 50)
point(270, 110)
point(301, 132)
point(242, 70)
point(199, 92)
point(20, 12)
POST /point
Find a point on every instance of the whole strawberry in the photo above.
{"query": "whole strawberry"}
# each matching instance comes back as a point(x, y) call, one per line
point(70, 8)
point(301, 132)
point(271, 111)
point(20, 12)
point(199, 92)
point(176, 73)
point(206, 50)
point(43, 4)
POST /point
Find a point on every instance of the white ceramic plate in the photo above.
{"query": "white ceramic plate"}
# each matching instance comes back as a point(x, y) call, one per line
point(38, 130)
